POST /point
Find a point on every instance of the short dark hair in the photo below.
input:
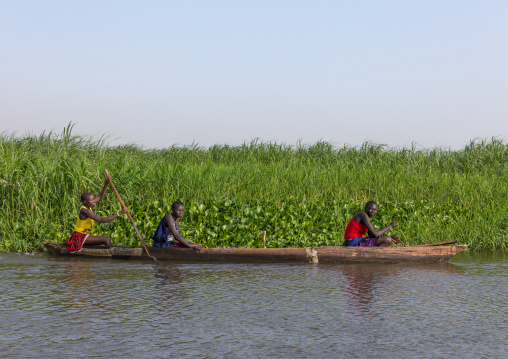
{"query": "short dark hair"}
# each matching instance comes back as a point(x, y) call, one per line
point(370, 204)
point(85, 195)
point(176, 204)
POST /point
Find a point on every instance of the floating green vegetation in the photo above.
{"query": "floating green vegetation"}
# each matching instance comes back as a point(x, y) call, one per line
point(301, 195)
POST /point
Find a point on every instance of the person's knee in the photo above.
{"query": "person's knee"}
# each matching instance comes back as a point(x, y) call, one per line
point(384, 241)
point(106, 241)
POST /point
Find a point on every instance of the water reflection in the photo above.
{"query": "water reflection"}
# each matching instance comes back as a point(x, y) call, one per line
point(367, 288)
point(167, 285)
point(80, 277)
point(360, 286)
point(108, 308)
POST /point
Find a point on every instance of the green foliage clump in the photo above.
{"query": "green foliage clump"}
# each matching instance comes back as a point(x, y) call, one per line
point(301, 195)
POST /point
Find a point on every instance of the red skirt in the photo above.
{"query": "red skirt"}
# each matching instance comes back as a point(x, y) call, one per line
point(75, 242)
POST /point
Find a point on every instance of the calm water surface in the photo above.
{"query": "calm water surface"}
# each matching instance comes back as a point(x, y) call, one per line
point(54, 307)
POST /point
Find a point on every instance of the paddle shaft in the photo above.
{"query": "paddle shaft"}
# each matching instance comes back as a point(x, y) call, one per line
point(436, 244)
point(129, 215)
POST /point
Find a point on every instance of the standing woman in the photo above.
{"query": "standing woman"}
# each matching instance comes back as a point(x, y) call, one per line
point(167, 231)
point(85, 221)
point(360, 224)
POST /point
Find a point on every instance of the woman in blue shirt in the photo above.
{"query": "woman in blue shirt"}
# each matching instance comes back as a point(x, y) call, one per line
point(167, 234)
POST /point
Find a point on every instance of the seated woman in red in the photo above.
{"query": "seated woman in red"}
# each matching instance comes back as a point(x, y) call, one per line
point(360, 224)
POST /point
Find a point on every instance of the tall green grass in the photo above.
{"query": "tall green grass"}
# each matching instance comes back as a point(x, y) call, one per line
point(302, 195)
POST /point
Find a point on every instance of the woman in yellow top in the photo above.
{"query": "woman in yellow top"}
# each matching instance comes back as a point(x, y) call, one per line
point(85, 221)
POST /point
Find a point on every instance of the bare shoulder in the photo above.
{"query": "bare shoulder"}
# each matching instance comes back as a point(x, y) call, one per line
point(361, 217)
point(84, 213)
point(168, 219)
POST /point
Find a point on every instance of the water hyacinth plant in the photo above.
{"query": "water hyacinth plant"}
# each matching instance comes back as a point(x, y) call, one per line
point(301, 195)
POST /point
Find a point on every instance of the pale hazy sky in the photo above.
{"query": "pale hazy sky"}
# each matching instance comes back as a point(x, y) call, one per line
point(158, 73)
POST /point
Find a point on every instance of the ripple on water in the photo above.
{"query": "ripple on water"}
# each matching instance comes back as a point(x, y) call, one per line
point(108, 308)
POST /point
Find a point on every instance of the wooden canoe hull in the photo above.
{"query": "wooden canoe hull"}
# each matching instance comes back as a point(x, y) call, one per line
point(422, 254)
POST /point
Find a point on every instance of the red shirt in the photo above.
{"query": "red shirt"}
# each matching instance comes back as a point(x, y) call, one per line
point(354, 230)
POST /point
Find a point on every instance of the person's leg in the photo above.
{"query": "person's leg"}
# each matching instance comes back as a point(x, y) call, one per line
point(384, 241)
point(98, 240)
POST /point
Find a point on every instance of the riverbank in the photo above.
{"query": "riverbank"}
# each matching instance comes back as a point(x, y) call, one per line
point(300, 195)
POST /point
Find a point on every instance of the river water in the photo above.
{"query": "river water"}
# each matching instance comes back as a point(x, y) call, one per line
point(76, 307)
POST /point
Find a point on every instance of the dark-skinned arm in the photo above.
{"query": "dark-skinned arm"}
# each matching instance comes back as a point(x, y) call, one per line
point(365, 220)
point(86, 213)
point(170, 224)
point(101, 195)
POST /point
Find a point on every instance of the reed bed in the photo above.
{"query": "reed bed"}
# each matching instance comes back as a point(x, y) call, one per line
point(301, 195)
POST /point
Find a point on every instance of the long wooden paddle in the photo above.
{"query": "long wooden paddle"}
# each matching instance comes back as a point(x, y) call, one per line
point(435, 244)
point(130, 217)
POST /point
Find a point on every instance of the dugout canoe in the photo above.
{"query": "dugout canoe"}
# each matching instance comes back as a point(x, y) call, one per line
point(394, 254)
